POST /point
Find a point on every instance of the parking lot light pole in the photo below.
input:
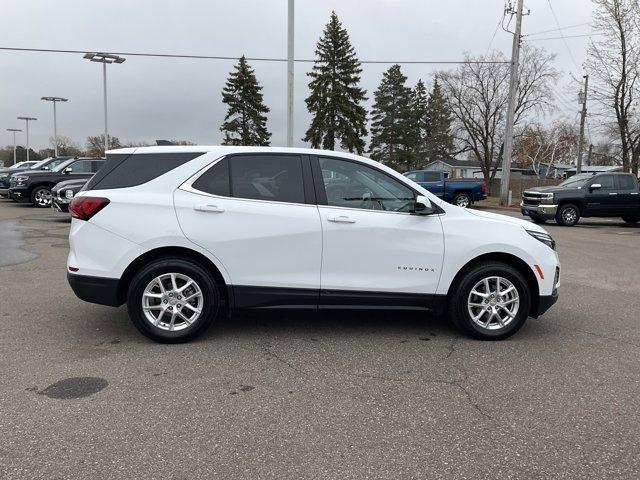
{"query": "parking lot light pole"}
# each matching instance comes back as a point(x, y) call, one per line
point(27, 119)
point(104, 58)
point(14, 130)
point(55, 127)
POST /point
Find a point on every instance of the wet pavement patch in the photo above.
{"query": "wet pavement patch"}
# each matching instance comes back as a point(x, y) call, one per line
point(75, 387)
point(11, 240)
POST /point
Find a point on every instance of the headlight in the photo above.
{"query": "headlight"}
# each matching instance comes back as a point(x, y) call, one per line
point(544, 238)
point(68, 193)
point(546, 198)
point(20, 179)
point(3, 176)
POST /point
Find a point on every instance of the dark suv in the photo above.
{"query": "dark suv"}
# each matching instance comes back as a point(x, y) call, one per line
point(46, 164)
point(585, 195)
point(35, 186)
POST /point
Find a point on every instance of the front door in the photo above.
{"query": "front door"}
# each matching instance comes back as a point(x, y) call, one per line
point(375, 250)
point(254, 214)
point(602, 201)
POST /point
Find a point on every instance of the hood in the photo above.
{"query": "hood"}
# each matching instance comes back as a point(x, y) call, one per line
point(526, 224)
point(70, 183)
point(551, 189)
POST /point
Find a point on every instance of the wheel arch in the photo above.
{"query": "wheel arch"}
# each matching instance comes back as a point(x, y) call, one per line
point(183, 252)
point(509, 259)
point(578, 203)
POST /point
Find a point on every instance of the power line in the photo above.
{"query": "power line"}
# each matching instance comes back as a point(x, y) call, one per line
point(568, 27)
point(562, 34)
point(563, 38)
point(254, 59)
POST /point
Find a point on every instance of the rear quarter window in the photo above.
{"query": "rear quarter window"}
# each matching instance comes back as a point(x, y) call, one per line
point(130, 170)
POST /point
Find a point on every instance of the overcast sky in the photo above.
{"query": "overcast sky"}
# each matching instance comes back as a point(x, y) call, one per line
point(151, 98)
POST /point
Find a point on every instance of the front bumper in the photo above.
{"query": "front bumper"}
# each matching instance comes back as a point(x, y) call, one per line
point(542, 210)
point(4, 191)
point(100, 290)
point(19, 194)
point(59, 205)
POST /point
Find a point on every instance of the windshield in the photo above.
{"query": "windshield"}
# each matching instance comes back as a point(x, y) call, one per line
point(38, 165)
point(62, 165)
point(577, 181)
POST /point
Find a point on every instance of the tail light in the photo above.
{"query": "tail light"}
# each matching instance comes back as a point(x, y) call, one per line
point(483, 187)
point(84, 208)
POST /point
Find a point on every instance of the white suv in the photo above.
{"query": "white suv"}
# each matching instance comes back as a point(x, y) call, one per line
point(183, 234)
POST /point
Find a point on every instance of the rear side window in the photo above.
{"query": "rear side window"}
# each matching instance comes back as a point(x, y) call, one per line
point(215, 180)
point(130, 170)
point(626, 182)
point(277, 178)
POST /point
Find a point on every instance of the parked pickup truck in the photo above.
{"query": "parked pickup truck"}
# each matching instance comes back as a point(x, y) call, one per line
point(584, 195)
point(460, 192)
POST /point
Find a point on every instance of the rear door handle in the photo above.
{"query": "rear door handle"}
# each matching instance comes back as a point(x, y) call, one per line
point(208, 208)
point(341, 219)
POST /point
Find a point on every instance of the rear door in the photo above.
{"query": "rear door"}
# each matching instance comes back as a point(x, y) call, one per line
point(628, 196)
point(256, 214)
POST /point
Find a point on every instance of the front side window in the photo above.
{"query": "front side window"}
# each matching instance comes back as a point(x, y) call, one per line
point(606, 181)
point(82, 166)
point(431, 177)
point(415, 176)
point(353, 185)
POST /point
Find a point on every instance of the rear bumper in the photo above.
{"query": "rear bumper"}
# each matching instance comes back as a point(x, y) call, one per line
point(100, 290)
point(544, 211)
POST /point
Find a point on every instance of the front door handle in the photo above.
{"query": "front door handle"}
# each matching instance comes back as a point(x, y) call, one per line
point(208, 208)
point(341, 219)
point(613, 193)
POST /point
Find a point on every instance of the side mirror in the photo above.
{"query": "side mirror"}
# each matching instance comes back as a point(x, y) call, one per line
point(424, 206)
point(595, 186)
point(68, 170)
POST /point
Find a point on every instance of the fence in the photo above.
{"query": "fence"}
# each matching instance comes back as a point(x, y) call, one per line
point(520, 184)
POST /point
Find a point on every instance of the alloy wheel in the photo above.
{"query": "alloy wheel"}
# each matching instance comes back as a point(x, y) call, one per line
point(172, 301)
point(569, 215)
point(462, 201)
point(493, 303)
point(43, 198)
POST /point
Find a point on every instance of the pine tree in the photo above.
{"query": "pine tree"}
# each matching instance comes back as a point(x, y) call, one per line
point(393, 130)
point(439, 139)
point(419, 104)
point(245, 122)
point(335, 99)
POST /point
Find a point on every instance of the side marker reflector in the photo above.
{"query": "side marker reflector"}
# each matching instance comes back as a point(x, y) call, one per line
point(539, 270)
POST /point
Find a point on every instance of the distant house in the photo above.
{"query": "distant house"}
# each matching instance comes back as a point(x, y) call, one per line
point(556, 170)
point(454, 168)
point(516, 173)
point(594, 169)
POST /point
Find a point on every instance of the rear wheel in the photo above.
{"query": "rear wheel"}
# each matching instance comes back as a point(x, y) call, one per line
point(462, 200)
point(631, 219)
point(568, 215)
point(41, 197)
point(491, 301)
point(173, 300)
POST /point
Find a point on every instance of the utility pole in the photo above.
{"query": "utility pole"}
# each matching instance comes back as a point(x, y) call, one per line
point(589, 154)
point(14, 130)
point(27, 119)
point(290, 72)
point(55, 100)
point(582, 99)
point(511, 110)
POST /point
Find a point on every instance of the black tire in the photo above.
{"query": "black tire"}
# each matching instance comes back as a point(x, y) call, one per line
point(462, 200)
point(210, 308)
point(458, 301)
point(568, 215)
point(535, 218)
point(631, 219)
point(39, 197)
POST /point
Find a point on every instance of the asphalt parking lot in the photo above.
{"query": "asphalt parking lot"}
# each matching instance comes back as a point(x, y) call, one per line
point(298, 395)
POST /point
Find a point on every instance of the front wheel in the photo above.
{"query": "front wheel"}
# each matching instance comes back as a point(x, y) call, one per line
point(173, 300)
point(491, 301)
point(41, 197)
point(568, 215)
point(462, 200)
point(631, 219)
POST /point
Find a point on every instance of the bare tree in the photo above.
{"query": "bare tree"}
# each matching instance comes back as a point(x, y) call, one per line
point(541, 147)
point(95, 145)
point(613, 63)
point(478, 95)
point(66, 146)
